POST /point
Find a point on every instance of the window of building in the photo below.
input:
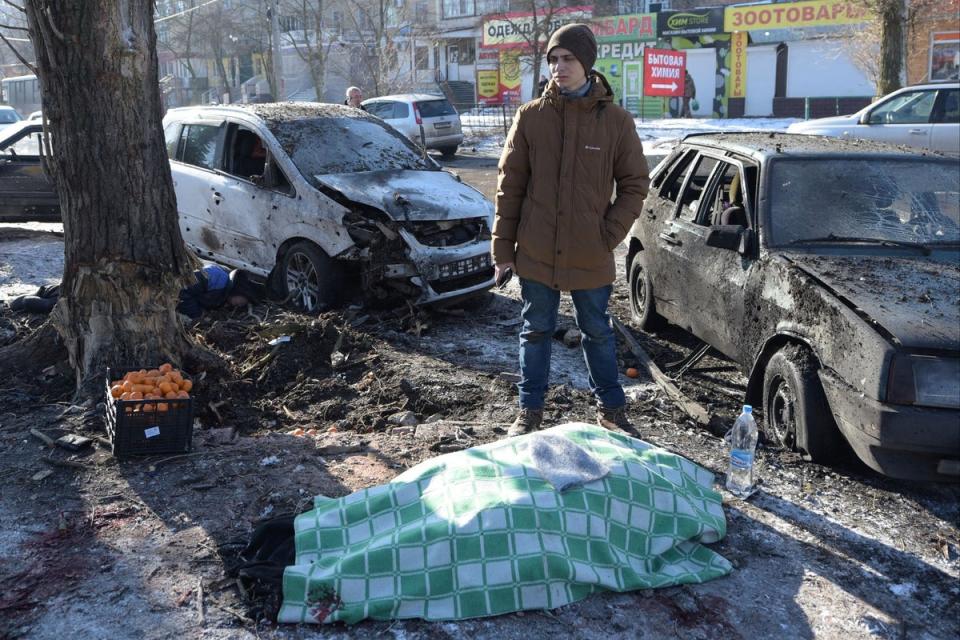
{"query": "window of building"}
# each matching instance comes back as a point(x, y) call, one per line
point(422, 56)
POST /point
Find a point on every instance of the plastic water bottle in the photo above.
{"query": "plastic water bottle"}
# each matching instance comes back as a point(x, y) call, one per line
point(743, 445)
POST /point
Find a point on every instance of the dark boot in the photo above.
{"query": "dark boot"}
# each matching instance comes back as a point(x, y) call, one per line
point(527, 420)
point(616, 419)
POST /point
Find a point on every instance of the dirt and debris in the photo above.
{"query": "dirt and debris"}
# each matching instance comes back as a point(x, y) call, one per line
point(92, 547)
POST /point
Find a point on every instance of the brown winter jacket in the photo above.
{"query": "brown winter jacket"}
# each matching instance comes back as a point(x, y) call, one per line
point(554, 218)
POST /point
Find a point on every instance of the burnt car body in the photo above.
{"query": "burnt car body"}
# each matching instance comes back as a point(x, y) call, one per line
point(26, 193)
point(322, 198)
point(829, 270)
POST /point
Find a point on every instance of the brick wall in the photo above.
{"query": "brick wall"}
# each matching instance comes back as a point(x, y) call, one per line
point(938, 17)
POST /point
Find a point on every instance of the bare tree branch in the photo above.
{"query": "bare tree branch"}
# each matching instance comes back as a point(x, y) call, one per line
point(12, 27)
point(17, 7)
point(22, 60)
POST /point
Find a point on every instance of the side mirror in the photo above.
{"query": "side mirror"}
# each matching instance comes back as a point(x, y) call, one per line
point(724, 237)
point(865, 118)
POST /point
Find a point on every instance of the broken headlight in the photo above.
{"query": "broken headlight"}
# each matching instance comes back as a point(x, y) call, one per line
point(449, 233)
point(927, 381)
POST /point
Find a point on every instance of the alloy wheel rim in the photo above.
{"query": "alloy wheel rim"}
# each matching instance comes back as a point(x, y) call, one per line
point(303, 283)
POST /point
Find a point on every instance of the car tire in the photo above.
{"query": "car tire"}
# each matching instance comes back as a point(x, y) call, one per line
point(641, 295)
point(308, 278)
point(795, 410)
point(449, 152)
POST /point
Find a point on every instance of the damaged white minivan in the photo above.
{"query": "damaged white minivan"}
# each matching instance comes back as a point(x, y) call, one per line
point(324, 201)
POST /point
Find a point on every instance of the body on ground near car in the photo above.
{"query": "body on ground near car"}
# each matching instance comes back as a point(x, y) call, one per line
point(414, 113)
point(925, 116)
point(324, 200)
point(829, 270)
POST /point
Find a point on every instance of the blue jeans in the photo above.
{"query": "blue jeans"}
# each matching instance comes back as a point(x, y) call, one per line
point(540, 305)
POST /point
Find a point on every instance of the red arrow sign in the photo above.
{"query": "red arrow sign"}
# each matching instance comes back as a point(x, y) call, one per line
point(663, 72)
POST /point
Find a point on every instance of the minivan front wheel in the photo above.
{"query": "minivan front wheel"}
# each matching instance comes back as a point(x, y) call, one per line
point(309, 278)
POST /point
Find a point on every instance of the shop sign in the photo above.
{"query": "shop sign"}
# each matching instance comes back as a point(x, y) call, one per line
point(635, 27)
point(510, 76)
point(697, 22)
point(663, 72)
point(620, 50)
point(515, 30)
point(737, 86)
point(792, 15)
point(488, 85)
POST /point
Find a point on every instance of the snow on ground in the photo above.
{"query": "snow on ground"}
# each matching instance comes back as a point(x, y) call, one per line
point(31, 255)
point(658, 136)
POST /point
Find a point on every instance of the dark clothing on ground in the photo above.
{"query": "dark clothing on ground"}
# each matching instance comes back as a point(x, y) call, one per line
point(213, 287)
point(42, 301)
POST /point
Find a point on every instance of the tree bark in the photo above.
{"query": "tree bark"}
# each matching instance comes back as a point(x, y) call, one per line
point(125, 259)
point(892, 14)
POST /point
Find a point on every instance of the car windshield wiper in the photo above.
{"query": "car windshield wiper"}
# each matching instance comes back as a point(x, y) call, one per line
point(889, 243)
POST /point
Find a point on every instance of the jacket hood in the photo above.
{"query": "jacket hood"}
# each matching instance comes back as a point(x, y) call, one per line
point(914, 298)
point(600, 92)
point(411, 195)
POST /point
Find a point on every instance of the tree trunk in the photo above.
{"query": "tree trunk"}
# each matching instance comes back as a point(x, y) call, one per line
point(892, 14)
point(125, 260)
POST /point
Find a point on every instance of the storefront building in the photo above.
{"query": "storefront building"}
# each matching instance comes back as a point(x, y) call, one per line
point(933, 43)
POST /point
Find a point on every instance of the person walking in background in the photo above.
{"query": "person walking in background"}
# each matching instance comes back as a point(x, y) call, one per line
point(689, 93)
point(354, 98)
point(555, 225)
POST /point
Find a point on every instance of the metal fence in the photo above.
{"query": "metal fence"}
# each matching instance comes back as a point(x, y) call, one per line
point(487, 120)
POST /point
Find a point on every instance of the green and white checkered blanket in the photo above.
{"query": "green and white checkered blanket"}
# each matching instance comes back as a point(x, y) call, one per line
point(479, 532)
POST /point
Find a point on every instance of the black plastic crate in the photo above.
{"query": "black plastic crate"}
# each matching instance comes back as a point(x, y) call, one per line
point(139, 428)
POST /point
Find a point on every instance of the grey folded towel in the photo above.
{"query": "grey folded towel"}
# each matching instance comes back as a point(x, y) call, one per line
point(563, 463)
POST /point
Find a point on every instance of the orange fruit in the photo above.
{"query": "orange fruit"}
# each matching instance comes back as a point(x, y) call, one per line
point(148, 407)
point(170, 395)
point(186, 385)
point(175, 376)
point(116, 390)
point(182, 394)
point(166, 387)
point(136, 395)
point(632, 372)
point(165, 367)
point(125, 395)
point(153, 373)
point(127, 386)
point(162, 407)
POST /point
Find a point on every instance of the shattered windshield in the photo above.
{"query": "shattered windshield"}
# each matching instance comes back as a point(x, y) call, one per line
point(882, 199)
point(320, 146)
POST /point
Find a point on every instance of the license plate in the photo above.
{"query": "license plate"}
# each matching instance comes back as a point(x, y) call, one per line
point(441, 125)
point(464, 267)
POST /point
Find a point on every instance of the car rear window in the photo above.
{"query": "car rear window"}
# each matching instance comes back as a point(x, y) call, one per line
point(436, 109)
point(319, 146)
point(200, 145)
point(901, 200)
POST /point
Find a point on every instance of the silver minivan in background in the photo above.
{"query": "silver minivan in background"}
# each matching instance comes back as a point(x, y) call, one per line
point(408, 112)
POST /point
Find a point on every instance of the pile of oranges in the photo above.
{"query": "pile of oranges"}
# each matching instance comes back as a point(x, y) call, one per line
point(162, 383)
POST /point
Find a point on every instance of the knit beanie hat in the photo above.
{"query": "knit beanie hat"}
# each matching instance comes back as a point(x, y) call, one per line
point(579, 40)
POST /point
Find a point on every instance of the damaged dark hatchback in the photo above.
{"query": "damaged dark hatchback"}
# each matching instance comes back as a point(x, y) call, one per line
point(830, 271)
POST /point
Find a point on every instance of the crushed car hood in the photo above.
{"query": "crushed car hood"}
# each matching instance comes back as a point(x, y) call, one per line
point(914, 298)
point(411, 195)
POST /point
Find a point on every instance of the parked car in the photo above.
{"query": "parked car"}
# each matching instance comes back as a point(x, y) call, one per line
point(830, 271)
point(26, 194)
point(8, 116)
point(323, 199)
point(408, 112)
point(926, 116)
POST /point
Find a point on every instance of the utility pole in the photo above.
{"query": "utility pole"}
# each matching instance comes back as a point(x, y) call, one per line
point(277, 58)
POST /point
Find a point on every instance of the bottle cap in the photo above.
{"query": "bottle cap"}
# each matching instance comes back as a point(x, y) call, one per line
point(747, 408)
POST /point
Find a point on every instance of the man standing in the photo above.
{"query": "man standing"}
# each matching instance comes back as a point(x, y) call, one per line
point(354, 98)
point(689, 93)
point(555, 225)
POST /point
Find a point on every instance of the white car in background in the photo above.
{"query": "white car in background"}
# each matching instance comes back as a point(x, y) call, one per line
point(409, 112)
point(925, 116)
point(8, 116)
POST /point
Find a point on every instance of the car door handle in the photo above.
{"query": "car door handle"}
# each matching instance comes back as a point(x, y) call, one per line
point(918, 132)
point(670, 238)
